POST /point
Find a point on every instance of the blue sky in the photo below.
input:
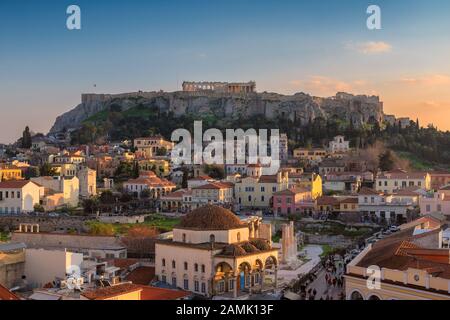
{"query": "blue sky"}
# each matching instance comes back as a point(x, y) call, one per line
point(286, 46)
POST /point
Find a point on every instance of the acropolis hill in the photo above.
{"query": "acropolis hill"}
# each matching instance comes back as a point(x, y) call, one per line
point(234, 100)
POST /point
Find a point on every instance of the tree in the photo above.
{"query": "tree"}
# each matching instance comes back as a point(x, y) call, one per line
point(107, 197)
point(46, 170)
point(214, 172)
point(26, 138)
point(386, 161)
point(90, 205)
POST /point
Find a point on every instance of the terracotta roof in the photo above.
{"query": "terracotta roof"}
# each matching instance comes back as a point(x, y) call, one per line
point(349, 200)
point(201, 178)
point(141, 275)
point(327, 200)
point(291, 191)
point(15, 184)
point(402, 175)
point(268, 179)
point(5, 294)
point(154, 293)
point(122, 263)
point(214, 185)
point(400, 252)
point(211, 217)
point(111, 292)
point(368, 191)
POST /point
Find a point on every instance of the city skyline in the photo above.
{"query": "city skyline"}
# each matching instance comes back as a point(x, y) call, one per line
point(317, 48)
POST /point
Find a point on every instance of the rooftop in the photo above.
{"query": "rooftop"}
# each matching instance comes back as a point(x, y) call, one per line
point(211, 217)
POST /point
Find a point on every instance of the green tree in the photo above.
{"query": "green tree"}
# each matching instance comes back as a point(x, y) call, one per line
point(26, 138)
point(46, 170)
point(386, 161)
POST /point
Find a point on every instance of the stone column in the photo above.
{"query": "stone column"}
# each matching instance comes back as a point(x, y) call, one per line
point(20, 227)
point(235, 292)
point(276, 277)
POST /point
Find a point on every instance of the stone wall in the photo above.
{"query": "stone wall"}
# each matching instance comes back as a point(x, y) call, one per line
point(46, 224)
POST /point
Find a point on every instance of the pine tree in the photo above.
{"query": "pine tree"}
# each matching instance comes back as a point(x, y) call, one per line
point(26, 138)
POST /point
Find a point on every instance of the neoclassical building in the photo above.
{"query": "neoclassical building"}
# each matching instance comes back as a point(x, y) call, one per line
point(214, 253)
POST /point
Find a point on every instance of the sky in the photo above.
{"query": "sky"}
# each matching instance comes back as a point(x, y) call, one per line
point(286, 46)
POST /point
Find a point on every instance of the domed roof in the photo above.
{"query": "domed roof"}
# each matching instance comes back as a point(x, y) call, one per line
point(211, 218)
point(233, 250)
point(261, 244)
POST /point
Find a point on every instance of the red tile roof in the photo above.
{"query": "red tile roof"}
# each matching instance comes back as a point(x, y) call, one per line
point(111, 292)
point(5, 294)
point(15, 184)
point(141, 275)
point(153, 293)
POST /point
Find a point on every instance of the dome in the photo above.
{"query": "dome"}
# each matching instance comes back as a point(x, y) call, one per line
point(233, 250)
point(249, 248)
point(211, 218)
point(261, 244)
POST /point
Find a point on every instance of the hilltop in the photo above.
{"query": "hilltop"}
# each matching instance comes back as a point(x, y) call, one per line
point(300, 107)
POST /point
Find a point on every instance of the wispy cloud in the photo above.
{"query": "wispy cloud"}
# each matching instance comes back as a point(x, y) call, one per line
point(370, 47)
point(326, 86)
point(427, 80)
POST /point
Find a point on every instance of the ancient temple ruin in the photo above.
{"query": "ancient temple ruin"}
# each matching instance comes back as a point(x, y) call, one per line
point(221, 87)
point(288, 242)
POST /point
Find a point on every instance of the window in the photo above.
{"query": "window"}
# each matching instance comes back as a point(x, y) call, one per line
point(203, 287)
point(164, 279)
point(174, 265)
point(221, 286)
point(18, 194)
point(174, 281)
point(184, 237)
point(263, 198)
point(428, 208)
point(263, 189)
point(196, 286)
point(196, 267)
point(203, 268)
point(274, 189)
point(231, 284)
point(186, 284)
point(212, 238)
point(185, 266)
point(163, 262)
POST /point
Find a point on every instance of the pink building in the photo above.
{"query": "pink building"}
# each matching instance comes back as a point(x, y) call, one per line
point(294, 200)
point(437, 202)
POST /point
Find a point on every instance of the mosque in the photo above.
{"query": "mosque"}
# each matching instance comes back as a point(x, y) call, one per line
point(214, 253)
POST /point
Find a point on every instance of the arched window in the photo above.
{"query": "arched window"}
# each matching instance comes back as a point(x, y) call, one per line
point(196, 267)
point(163, 262)
point(203, 268)
point(185, 266)
point(174, 264)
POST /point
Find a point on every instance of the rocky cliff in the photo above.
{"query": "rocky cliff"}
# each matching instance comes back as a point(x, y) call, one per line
point(358, 109)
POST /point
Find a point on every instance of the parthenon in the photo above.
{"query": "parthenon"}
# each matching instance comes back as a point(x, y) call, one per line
point(224, 87)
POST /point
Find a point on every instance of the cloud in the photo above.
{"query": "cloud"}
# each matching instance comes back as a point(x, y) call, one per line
point(371, 47)
point(326, 86)
point(427, 80)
